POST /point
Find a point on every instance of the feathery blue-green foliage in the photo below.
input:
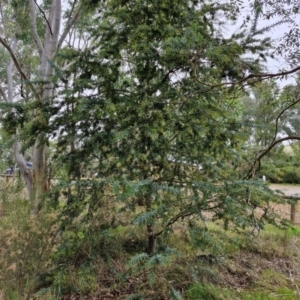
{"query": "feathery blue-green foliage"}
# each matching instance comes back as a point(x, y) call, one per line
point(144, 119)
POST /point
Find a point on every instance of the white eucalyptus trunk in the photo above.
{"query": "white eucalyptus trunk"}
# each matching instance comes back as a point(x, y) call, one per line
point(45, 91)
point(24, 170)
point(47, 51)
point(47, 47)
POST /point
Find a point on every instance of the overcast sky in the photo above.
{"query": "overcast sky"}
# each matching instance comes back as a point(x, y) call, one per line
point(276, 34)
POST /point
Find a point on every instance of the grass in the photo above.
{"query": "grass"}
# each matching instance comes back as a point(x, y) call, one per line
point(38, 261)
point(211, 292)
point(26, 245)
point(208, 292)
point(280, 293)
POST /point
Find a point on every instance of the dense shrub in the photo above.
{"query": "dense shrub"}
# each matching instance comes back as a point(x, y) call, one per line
point(288, 174)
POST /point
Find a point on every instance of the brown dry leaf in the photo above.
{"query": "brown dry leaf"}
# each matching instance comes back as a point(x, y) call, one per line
point(12, 267)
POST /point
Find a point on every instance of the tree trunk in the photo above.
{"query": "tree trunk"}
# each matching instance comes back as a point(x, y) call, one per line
point(39, 173)
point(46, 50)
point(24, 170)
point(151, 240)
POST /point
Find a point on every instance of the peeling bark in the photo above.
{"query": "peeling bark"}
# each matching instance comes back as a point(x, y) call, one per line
point(24, 170)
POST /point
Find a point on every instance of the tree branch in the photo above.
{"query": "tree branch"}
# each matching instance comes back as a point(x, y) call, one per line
point(251, 76)
point(43, 13)
point(264, 152)
point(9, 68)
point(48, 45)
point(12, 54)
point(17, 65)
point(3, 94)
point(281, 113)
point(182, 214)
point(274, 142)
point(69, 25)
point(25, 171)
point(272, 145)
point(35, 35)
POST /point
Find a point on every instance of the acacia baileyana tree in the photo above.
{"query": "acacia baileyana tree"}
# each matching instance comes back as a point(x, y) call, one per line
point(148, 101)
point(152, 124)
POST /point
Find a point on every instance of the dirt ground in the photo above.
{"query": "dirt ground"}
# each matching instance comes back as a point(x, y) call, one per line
point(288, 211)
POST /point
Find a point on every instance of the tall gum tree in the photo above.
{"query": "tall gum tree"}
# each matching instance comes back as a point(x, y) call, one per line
point(44, 25)
point(12, 20)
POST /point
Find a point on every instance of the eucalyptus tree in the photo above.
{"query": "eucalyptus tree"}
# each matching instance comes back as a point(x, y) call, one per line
point(13, 18)
point(270, 117)
point(150, 118)
point(32, 34)
point(261, 108)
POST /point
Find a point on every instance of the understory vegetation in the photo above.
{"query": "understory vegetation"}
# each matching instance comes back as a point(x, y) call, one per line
point(40, 261)
point(134, 136)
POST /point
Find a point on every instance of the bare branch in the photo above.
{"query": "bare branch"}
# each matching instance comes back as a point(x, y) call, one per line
point(260, 154)
point(264, 152)
point(9, 68)
point(69, 25)
point(66, 67)
point(17, 65)
point(12, 54)
point(181, 214)
point(280, 114)
point(44, 15)
point(251, 76)
point(3, 94)
point(51, 38)
point(272, 145)
point(35, 34)
point(47, 50)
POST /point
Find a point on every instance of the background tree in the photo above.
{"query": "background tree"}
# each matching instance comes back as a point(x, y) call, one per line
point(261, 108)
point(35, 26)
point(273, 115)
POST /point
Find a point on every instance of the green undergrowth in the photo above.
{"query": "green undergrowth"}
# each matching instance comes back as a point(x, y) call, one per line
point(211, 292)
point(40, 261)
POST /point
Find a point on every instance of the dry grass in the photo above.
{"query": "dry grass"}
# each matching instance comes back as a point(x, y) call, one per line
point(26, 245)
point(98, 268)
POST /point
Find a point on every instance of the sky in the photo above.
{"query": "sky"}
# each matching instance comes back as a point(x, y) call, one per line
point(277, 33)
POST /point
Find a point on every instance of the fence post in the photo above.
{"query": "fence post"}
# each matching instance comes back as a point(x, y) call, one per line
point(293, 213)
